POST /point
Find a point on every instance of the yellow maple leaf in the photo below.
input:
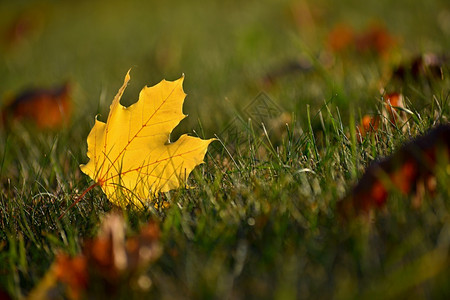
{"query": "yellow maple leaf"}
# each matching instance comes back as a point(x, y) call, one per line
point(131, 157)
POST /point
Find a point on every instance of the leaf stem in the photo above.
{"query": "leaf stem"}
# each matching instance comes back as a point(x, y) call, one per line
point(78, 199)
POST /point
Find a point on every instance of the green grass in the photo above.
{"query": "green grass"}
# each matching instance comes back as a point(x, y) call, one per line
point(261, 220)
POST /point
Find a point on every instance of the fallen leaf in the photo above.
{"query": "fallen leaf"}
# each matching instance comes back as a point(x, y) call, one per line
point(72, 271)
point(410, 170)
point(427, 65)
point(394, 109)
point(112, 254)
point(47, 108)
point(375, 39)
point(131, 156)
point(393, 112)
point(369, 124)
point(107, 251)
point(108, 262)
point(341, 37)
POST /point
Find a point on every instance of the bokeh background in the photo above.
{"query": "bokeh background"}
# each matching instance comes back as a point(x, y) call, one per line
point(225, 49)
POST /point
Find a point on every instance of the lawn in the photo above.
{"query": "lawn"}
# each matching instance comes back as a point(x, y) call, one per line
point(284, 87)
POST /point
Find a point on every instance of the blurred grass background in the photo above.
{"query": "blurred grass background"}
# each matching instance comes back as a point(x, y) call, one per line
point(257, 230)
point(224, 49)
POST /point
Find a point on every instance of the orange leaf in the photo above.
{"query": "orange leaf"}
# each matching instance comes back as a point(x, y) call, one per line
point(369, 124)
point(375, 39)
point(73, 272)
point(47, 108)
point(341, 37)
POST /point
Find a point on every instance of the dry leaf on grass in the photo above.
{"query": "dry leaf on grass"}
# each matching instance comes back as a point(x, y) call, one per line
point(375, 39)
point(108, 262)
point(427, 65)
point(410, 170)
point(47, 108)
point(393, 114)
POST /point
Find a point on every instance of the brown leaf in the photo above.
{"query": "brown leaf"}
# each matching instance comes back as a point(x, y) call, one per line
point(72, 271)
point(410, 170)
point(341, 37)
point(47, 108)
point(112, 255)
point(375, 39)
point(427, 65)
point(369, 124)
point(144, 248)
point(393, 112)
point(107, 263)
